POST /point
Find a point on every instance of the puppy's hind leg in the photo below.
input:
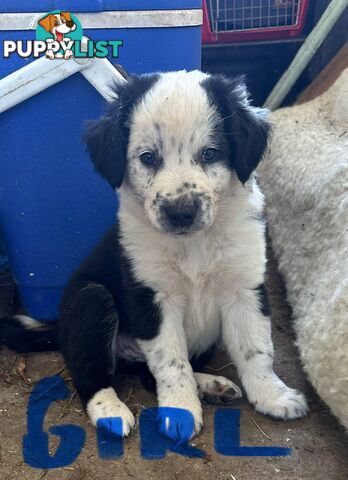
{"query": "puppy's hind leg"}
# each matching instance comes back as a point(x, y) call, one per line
point(216, 389)
point(88, 328)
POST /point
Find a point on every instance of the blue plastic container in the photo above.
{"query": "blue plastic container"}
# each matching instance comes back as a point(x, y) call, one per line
point(53, 206)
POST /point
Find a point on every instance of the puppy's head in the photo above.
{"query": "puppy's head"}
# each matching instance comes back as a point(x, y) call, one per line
point(177, 142)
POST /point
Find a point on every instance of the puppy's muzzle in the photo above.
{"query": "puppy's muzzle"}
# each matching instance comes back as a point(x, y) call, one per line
point(181, 214)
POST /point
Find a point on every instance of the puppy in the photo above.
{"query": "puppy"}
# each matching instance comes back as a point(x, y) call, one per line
point(58, 24)
point(183, 268)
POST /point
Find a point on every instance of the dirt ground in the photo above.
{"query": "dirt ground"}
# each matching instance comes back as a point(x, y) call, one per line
point(319, 445)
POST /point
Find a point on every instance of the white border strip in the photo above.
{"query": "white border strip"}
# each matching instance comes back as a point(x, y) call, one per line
point(119, 19)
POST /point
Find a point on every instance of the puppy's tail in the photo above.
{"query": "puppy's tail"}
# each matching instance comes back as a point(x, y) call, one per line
point(23, 334)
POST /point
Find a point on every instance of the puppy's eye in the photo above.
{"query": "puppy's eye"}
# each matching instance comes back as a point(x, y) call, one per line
point(148, 159)
point(210, 155)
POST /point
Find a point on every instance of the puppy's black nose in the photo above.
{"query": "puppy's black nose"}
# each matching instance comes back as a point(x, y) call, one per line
point(181, 213)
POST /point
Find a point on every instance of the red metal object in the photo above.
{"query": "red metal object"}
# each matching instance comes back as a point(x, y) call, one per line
point(235, 21)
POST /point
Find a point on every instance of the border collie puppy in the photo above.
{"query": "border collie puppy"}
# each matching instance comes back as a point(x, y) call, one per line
point(184, 267)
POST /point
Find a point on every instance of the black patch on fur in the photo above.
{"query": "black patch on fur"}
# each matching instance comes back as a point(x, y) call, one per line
point(88, 322)
point(17, 337)
point(263, 299)
point(246, 135)
point(200, 361)
point(107, 138)
point(252, 353)
point(259, 217)
point(103, 299)
point(109, 266)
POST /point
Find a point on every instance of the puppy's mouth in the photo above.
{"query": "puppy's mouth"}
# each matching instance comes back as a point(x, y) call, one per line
point(179, 233)
point(182, 233)
point(59, 36)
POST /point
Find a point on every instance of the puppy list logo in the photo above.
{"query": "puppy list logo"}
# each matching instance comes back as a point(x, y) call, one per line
point(59, 34)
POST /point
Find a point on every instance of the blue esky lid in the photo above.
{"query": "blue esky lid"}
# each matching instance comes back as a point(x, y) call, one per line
point(16, 6)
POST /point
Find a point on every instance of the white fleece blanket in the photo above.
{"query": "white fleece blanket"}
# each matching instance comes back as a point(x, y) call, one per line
point(305, 182)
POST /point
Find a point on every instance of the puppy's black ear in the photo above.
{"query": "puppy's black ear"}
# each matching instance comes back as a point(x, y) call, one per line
point(106, 146)
point(246, 128)
point(107, 138)
point(249, 131)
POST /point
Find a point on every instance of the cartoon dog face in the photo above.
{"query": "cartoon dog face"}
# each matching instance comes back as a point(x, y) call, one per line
point(58, 24)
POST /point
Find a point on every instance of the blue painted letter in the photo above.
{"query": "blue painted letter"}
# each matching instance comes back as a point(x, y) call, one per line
point(227, 437)
point(35, 442)
point(154, 444)
point(109, 438)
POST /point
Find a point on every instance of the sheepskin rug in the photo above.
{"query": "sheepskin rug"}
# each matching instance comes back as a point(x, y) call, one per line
point(305, 182)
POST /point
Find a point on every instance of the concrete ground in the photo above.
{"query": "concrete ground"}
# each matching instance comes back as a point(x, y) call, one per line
point(319, 445)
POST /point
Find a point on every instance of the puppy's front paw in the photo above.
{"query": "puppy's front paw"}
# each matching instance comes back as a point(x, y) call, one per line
point(180, 421)
point(107, 411)
point(288, 405)
point(277, 400)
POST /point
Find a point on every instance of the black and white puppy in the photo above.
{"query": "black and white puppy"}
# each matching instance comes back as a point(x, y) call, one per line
point(184, 267)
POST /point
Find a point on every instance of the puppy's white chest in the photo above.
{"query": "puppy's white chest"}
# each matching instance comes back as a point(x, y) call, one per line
point(201, 320)
point(199, 279)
